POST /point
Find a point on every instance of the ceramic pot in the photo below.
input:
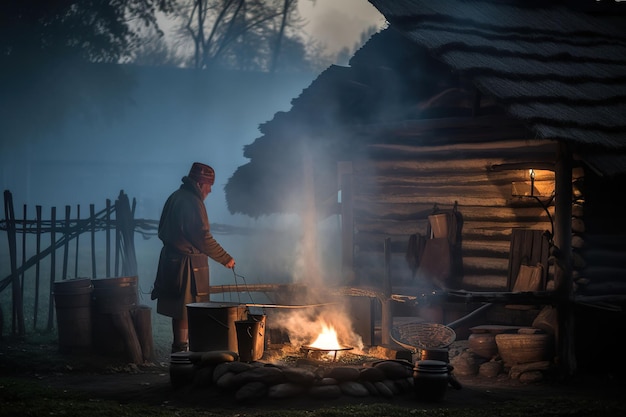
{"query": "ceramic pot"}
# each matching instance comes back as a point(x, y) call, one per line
point(483, 344)
point(430, 380)
point(182, 370)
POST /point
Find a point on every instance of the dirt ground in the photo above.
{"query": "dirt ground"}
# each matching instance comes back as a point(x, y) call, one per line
point(104, 378)
point(152, 386)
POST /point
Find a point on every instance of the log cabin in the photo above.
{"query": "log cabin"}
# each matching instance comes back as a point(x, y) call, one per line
point(503, 121)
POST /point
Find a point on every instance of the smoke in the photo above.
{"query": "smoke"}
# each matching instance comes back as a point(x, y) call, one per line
point(302, 326)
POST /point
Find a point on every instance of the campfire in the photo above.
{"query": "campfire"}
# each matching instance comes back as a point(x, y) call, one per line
point(314, 336)
point(326, 346)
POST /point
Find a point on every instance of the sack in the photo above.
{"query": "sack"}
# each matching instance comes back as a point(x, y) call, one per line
point(436, 264)
point(199, 274)
point(170, 277)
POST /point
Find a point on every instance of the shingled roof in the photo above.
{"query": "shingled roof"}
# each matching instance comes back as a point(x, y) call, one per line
point(558, 70)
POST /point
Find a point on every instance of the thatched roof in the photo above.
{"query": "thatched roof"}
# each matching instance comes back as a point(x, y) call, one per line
point(272, 181)
point(558, 71)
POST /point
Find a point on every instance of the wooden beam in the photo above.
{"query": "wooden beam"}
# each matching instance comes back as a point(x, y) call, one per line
point(386, 317)
point(344, 172)
point(563, 268)
point(506, 297)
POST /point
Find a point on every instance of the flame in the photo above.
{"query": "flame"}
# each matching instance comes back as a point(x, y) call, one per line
point(327, 339)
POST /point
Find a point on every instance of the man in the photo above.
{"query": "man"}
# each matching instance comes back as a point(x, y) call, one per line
point(183, 270)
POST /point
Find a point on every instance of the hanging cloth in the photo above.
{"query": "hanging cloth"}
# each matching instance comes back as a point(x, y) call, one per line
point(436, 264)
point(414, 252)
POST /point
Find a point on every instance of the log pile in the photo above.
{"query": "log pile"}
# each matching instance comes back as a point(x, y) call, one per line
point(598, 245)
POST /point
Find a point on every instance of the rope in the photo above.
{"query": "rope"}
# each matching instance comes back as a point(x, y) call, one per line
point(245, 285)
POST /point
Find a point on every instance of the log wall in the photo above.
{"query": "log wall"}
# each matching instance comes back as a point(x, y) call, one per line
point(398, 182)
point(396, 187)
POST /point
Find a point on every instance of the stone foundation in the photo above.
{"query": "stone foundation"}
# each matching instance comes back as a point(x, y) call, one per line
point(253, 381)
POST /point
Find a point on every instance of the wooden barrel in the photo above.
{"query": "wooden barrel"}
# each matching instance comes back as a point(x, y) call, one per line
point(72, 300)
point(113, 295)
point(113, 301)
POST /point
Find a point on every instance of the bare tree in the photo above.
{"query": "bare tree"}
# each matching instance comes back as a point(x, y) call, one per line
point(155, 52)
point(243, 34)
point(288, 6)
point(60, 57)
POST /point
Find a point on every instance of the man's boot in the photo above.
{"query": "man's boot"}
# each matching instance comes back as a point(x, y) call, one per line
point(180, 347)
point(181, 340)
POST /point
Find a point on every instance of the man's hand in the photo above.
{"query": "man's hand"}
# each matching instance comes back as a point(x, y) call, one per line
point(230, 264)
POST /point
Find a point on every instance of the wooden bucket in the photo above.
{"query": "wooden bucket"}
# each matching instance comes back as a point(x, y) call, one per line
point(212, 325)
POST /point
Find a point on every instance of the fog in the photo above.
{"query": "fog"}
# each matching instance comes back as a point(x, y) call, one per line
point(172, 121)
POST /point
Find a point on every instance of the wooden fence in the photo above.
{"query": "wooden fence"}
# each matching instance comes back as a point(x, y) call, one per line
point(117, 223)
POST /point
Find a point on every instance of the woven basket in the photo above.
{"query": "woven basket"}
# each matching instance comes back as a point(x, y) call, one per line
point(524, 348)
point(417, 336)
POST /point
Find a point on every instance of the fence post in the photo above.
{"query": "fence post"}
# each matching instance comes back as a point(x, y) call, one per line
point(117, 243)
point(92, 218)
point(18, 310)
point(107, 219)
point(53, 229)
point(66, 232)
point(24, 214)
point(126, 228)
point(77, 236)
point(38, 249)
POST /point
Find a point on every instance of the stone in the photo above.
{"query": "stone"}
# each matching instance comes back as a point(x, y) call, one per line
point(325, 391)
point(372, 374)
point(285, 390)
point(395, 369)
point(391, 384)
point(220, 370)
point(343, 373)
point(517, 370)
point(327, 381)
point(353, 388)
point(531, 376)
point(299, 375)
point(227, 381)
point(218, 356)
point(371, 387)
point(383, 389)
point(464, 364)
point(251, 391)
point(267, 374)
point(490, 369)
